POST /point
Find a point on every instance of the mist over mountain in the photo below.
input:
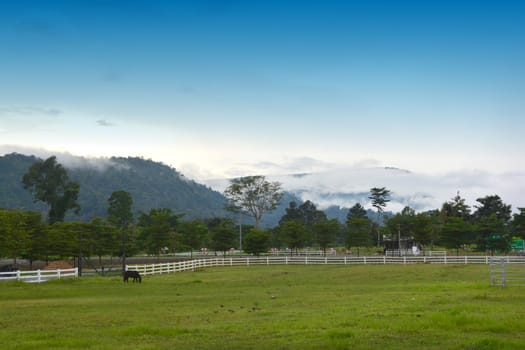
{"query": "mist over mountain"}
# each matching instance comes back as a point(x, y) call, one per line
point(336, 190)
point(156, 185)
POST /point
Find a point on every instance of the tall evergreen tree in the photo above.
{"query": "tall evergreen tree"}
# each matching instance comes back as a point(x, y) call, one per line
point(379, 196)
point(357, 211)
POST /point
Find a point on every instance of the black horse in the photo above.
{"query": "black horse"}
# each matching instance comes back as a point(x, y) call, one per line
point(132, 274)
point(8, 268)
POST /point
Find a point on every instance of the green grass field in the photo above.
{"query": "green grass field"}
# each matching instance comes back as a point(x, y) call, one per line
point(269, 307)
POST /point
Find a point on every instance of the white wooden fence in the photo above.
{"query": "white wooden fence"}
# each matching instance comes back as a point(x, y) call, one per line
point(38, 276)
point(153, 269)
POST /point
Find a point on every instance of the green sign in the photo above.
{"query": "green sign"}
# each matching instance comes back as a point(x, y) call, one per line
point(517, 244)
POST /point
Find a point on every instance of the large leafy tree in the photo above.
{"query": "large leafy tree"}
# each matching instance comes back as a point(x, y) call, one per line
point(293, 213)
point(119, 209)
point(493, 205)
point(66, 238)
point(379, 197)
point(358, 228)
point(456, 232)
point(257, 241)
point(518, 223)
point(358, 233)
point(402, 224)
point(492, 218)
point(311, 214)
point(157, 229)
point(253, 196)
point(357, 211)
point(17, 229)
point(222, 234)
point(325, 232)
point(193, 233)
point(296, 225)
point(104, 239)
point(456, 208)
point(49, 182)
point(426, 227)
point(293, 233)
point(121, 217)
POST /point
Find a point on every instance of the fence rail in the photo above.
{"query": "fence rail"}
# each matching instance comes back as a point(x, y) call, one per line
point(162, 268)
point(506, 273)
point(38, 276)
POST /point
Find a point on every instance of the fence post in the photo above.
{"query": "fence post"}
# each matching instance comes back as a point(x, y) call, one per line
point(466, 259)
point(58, 273)
point(491, 272)
point(364, 260)
point(404, 259)
point(38, 276)
point(286, 260)
point(503, 273)
point(18, 275)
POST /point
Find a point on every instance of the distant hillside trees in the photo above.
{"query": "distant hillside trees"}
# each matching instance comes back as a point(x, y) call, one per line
point(151, 184)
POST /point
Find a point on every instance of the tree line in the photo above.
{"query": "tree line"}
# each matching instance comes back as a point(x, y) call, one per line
point(488, 226)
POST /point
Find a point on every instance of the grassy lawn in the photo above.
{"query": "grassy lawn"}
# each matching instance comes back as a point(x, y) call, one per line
point(269, 307)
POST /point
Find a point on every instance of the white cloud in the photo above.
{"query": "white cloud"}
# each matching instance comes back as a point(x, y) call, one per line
point(103, 122)
point(30, 110)
point(345, 187)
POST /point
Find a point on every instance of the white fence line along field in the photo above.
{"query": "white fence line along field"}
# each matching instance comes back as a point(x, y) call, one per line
point(38, 276)
point(162, 268)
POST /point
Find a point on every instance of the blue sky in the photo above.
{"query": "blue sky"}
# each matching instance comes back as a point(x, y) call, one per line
point(228, 88)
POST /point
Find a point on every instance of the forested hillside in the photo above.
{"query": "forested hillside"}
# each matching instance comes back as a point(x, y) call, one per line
point(151, 184)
